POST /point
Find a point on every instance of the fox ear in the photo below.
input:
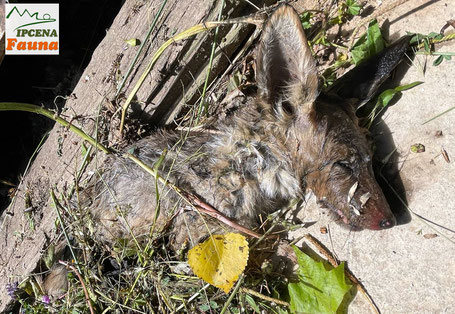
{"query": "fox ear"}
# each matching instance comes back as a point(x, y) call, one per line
point(362, 82)
point(285, 68)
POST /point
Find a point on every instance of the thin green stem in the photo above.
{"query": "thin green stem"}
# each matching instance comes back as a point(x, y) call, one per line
point(437, 116)
point(435, 53)
point(202, 103)
point(15, 106)
point(68, 242)
point(141, 47)
point(232, 295)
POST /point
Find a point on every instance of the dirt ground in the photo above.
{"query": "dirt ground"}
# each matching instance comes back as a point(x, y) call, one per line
point(406, 269)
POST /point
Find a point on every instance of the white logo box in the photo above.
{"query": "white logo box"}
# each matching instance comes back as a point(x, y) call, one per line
point(32, 29)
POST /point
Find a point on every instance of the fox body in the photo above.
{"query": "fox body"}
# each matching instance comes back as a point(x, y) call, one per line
point(290, 139)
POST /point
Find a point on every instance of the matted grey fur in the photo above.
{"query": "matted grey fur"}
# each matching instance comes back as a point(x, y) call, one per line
point(289, 139)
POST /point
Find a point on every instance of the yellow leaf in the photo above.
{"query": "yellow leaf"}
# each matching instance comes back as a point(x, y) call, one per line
point(220, 259)
point(133, 42)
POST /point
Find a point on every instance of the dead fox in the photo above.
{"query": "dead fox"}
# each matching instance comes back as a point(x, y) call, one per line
point(290, 139)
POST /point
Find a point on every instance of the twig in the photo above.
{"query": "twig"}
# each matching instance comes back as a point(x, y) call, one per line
point(194, 296)
point(264, 297)
point(334, 262)
point(87, 299)
point(449, 23)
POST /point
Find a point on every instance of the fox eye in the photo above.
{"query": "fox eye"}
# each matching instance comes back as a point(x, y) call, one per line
point(343, 164)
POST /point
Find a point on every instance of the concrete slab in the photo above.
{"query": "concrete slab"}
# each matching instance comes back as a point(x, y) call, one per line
point(406, 269)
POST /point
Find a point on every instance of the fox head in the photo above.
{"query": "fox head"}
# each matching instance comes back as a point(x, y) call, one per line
point(328, 150)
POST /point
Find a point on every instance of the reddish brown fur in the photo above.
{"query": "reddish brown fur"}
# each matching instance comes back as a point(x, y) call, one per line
point(289, 140)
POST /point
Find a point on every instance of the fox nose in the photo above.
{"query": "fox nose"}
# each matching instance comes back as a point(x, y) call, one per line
point(387, 223)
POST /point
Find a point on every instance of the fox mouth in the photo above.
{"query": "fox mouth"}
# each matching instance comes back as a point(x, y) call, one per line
point(339, 215)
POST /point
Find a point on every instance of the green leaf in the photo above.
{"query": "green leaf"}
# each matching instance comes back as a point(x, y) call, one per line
point(235, 81)
point(204, 307)
point(374, 38)
point(49, 256)
point(214, 305)
point(426, 44)
point(435, 35)
point(369, 44)
point(424, 39)
point(407, 86)
point(305, 18)
point(386, 96)
point(252, 303)
point(358, 55)
point(418, 148)
point(83, 149)
point(353, 7)
point(318, 290)
point(439, 59)
point(384, 99)
point(336, 20)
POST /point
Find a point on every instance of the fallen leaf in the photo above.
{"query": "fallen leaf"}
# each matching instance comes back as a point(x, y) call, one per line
point(220, 259)
point(445, 155)
point(417, 148)
point(133, 42)
point(318, 290)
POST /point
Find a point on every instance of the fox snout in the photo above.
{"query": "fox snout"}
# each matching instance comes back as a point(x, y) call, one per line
point(368, 199)
point(354, 196)
point(357, 207)
point(367, 207)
